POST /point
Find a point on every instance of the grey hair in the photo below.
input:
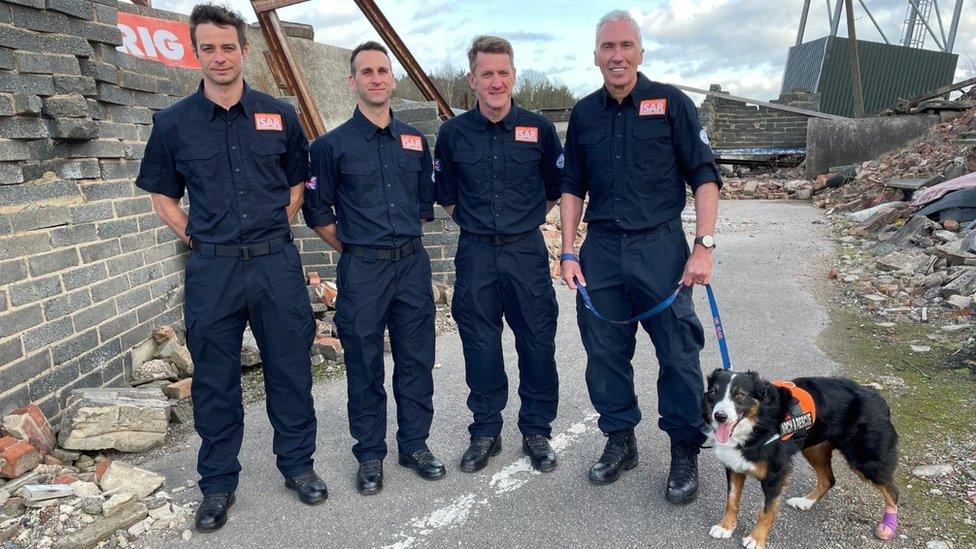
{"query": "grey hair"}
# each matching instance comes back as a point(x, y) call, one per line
point(615, 16)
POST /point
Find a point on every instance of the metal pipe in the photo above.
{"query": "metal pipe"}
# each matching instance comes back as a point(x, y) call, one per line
point(871, 17)
point(399, 49)
point(938, 17)
point(835, 20)
point(803, 22)
point(909, 29)
point(956, 12)
point(855, 62)
point(926, 23)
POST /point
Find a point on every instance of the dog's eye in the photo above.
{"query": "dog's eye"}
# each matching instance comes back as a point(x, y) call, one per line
point(740, 396)
point(710, 395)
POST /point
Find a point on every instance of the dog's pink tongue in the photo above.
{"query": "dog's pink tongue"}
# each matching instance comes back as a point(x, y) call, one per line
point(723, 432)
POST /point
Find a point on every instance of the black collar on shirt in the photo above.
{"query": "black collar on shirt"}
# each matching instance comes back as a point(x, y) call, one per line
point(208, 109)
point(641, 88)
point(369, 129)
point(508, 122)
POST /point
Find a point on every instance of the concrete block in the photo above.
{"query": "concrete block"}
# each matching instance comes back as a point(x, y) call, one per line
point(96, 32)
point(19, 127)
point(38, 19)
point(72, 129)
point(135, 81)
point(101, 72)
point(65, 106)
point(98, 148)
point(81, 9)
point(43, 264)
point(110, 93)
point(11, 173)
point(43, 63)
point(7, 58)
point(11, 150)
point(835, 142)
point(85, 168)
point(84, 85)
point(38, 84)
point(128, 420)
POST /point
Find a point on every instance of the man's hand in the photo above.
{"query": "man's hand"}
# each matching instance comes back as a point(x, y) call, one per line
point(571, 272)
point(698, 269)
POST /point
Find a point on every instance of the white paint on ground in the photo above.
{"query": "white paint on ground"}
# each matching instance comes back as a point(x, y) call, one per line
point(460, 509)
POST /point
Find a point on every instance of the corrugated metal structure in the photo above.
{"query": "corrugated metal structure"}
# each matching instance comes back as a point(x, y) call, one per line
point(888, 72)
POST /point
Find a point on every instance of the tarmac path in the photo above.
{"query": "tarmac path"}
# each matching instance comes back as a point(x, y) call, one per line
point(768, 273)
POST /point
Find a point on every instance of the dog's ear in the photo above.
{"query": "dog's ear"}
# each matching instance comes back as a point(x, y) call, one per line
point(711, 378)
point(762, 389)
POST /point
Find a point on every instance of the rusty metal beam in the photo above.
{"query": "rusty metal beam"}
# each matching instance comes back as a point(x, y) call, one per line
point(143, 3)
point(294, 78)
point(399, 49)
point(261, 6)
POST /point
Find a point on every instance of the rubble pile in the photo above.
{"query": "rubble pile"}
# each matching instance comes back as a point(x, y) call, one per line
point(55, 493)
point(552, 234)
point(747, 183)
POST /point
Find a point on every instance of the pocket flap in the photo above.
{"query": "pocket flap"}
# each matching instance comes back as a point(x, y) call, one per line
point(358, 168)
point(201, 151)
point(524, 155)
point(264, 147)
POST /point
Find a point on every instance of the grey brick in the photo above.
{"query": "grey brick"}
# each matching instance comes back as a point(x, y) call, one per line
point(136, 335)
point(125, 263)
point(115, 327)
point(110, 93)
point(157, 253)
point(82, 9)
point(44, 63)
point(27, 104)
point(11, 400)
point(38, 19)
point(34, 290)
point(149, 221)
point(106, 14)
point(74, 347)
point(132, 299)
point(22, 245)
point(66, 304)
point(85, 85)
point(72, 129)
point(7, 58)
point(91, 212)
point(155, 101)
point(135, 81)
point(18, 127)
point(119, 169)
point(137, 241)
point(40, 84)
point(40, 217)
point(112, 371)
point(110, 288)
point(115, 130)
point(10, 351)
point(133, 206)
point(99, 250)
point(39, 4)
point(73, 234)
point(50, 406)
point(3, 300)
point(98, 148)
point(93, 316)
point(126, 114)
point(134, 150)
point(66, 106)
point(5, 224)
point(145, 275)
point(96, 32)
point(13, 150)
point(48, 333)
point(117, 228)
point(11, 271)
point(37, 191)
point(82, 168)
point(51, 262)
point(165, 285)
point(18, 320)
point(84, 276)
point(95, 109)
point(26, 368)
point(53, 380)
point(152, 309)
point(6, 104)
point(99, 357)
point(11, 173)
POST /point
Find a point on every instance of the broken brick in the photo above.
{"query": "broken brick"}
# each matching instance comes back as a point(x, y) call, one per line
point(17, 457)
point(314, 279)
point(30, 424)
point(100, 470)
point(66, 478)
point(179, 390)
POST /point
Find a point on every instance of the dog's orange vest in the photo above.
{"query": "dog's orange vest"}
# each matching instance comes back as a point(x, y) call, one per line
point(803, 411)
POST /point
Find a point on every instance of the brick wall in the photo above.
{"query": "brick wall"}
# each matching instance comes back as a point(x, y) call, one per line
point(87, 270)
point(733, 124)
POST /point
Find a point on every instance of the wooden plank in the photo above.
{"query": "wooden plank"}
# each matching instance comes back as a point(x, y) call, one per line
point(787, 108)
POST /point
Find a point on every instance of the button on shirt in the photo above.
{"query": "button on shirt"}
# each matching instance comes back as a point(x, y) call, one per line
point(635, 157)
point(375, 182)
point(237, 164)
point(499, 175)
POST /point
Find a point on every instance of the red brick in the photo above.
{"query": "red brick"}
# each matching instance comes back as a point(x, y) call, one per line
point(66, 478)
point(314, 279)
point(179, 390)
point(100, 470)
point(29, 424)
point(51, 460)
point(17, 457)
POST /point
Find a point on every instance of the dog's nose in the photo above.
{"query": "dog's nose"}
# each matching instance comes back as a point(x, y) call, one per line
point(720, 417)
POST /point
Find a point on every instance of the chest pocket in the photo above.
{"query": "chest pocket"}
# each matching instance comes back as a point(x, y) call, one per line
point(265, 163)
point(409, 175)
point(523, 169)
point(650, 146)
point(472, 168)
point(596, 149)
point(201, 165)
point(361, 182)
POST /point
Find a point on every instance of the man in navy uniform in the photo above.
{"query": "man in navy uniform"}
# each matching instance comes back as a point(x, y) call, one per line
point(370, 191)
point(497, 168)
point(633, 145)
point(243, 157)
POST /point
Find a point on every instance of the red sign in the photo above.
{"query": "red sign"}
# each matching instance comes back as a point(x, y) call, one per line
point(158, 40)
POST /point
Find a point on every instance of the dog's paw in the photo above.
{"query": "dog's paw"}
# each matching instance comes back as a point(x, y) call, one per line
point(750, 543)
point(802, 504)
point(718, 532)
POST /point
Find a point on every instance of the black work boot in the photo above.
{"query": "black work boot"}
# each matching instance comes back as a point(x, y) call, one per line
point(369, 477)
point(476, 456)
point(310, 488)
point(212, 513)
point(540, 453)
point(683, 475)
point(619, 455)
point(424, 464)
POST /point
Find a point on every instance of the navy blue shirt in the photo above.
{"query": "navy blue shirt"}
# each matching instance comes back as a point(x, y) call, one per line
point(238, 165)
point(635, 157)
point(375, 182)
point(499, 175)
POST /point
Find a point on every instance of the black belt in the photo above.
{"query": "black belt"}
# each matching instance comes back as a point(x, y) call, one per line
point(386, 254)
point(243, 252)
point(497, 239)
point(668, 226)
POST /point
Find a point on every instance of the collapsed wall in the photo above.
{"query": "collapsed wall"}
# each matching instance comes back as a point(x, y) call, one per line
point(86, 268)
point(732, 124)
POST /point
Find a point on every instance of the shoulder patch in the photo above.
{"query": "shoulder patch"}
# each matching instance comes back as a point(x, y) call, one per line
point(561, 161)
point(704, 136)
point(268, 121)
point(527, 134)
point(653, 107)
point(411, 142)
point(312, 183)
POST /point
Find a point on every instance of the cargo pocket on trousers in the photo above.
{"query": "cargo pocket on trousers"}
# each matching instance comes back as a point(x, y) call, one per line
point(544, 310)
point(457, 302)
point(688, 328)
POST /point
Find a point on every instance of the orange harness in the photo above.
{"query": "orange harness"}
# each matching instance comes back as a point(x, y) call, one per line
point(802, 414)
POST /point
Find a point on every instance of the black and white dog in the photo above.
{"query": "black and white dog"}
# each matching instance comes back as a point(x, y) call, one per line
point(747, 415)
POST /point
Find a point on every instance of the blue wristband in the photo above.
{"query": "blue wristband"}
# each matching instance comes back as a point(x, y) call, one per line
point(569, 256)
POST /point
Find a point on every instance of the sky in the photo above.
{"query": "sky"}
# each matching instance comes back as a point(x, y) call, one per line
point(739, 44)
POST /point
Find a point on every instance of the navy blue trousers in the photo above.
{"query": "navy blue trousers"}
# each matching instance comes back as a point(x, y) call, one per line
point(223, 294)
point(376, 295)
point(627, 274)
point(510, 280)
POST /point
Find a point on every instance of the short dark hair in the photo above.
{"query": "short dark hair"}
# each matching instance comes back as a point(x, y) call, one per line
point(370, 45)
point(219, 15)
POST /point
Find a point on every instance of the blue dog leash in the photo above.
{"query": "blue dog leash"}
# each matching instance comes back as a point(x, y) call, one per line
point(712, 303)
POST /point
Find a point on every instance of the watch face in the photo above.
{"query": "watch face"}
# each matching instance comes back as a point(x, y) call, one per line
point(708, 241)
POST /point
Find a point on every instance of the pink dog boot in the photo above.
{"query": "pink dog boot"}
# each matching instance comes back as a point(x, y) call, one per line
point(887, 527)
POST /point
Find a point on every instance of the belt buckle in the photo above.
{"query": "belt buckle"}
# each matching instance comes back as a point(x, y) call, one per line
point(246, 253)
point(497, 239)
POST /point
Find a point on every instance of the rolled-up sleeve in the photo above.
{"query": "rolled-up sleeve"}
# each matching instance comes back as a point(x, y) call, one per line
point(320, 192)
point(694, 153)
point(445, 172)
point(574, 169)
point(552, 163)
point(157, 171)
point(296, 157)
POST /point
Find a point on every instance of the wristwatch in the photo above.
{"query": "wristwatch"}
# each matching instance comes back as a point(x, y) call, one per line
point(707, 241)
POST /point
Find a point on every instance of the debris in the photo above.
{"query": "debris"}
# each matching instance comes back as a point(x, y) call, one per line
point(30, 424)
point(92, 505)
point(250, 354)
point(83, 489)
point(920, 348)
point(179, 390)
point(314, 279)
point(99, 530)
point(124, 478)
point(128, 420)
point(181, 358)
point(154, 370)
point(37, 493)
point(932, 471)
point(116, 503)
point(906, 262)
point(329, 347)
point(163, 334)
point(17, 457)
